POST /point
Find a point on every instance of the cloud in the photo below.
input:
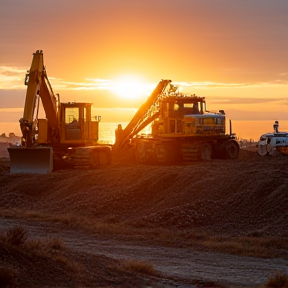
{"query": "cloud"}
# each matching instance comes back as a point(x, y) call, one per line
point(11, 77)
point(240, 100)
point(11, 110)
point(110, 85)
point(6, 70)
point(88, 84)
point(115, 109)
point(230, 85)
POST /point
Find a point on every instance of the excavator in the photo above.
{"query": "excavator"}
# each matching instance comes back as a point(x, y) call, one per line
point(182, 129)
point(68, 134)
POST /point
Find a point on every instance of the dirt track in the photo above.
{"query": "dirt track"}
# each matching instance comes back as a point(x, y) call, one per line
point(183, 265)
point(229, 199)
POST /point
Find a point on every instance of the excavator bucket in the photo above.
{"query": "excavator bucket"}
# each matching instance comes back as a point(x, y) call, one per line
point(37, 160)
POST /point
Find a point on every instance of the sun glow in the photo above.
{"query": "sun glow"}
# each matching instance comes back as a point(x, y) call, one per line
point(129, 87)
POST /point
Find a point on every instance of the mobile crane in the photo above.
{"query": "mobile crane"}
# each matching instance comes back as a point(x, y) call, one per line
point(182, 129)
point(68, 133)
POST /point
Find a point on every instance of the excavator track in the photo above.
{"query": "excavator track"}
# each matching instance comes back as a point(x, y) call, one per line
point(91, 156)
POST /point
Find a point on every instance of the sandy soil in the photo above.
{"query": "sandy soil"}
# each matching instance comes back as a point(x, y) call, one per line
point(214, 223)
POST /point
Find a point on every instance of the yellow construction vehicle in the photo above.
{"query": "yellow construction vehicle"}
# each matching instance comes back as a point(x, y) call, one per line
point(181, 129)
point(67, 133)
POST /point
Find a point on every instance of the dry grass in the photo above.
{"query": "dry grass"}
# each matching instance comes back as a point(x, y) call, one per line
point(16, 236)
point(54, 244)
point(49, 247)
point(139, 266)
point(251, 245)
point(21, 253)
point(108, 225)
point(46, 261)
point(15, 239)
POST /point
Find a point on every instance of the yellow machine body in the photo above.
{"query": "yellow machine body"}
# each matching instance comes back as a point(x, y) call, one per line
point(67, 126)
point(181, 129)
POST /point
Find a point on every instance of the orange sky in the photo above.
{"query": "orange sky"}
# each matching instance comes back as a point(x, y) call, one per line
point(233, 52)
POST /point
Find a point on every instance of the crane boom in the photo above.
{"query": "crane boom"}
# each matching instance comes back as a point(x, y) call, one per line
point(140, 121)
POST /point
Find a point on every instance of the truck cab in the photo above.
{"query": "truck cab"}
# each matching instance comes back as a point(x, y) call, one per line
point(187, 116)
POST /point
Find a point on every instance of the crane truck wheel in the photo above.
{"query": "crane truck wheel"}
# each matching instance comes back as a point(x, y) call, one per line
point(205, 152)
point(231, 149)
point(140, 152)
point(160, 153)
point(167, 152)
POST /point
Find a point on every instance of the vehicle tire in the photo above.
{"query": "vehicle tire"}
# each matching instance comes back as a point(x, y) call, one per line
point(140, 152)
point(205, 152)
point(231, 149)
point(160, 153)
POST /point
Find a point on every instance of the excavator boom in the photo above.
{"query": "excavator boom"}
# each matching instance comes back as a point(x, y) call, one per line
point(29, 158)
point(68, 132)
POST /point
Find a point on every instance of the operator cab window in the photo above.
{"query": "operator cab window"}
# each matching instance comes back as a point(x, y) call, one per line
point(192, 108)
point(72, 124)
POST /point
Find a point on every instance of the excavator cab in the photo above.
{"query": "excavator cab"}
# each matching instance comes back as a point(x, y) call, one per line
point(79, 127)
point(76, 126)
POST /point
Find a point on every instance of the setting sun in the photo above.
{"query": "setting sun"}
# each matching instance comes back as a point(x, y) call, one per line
point(129, 87)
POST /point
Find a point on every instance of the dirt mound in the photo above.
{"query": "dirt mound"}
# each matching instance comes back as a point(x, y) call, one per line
point(243, 197)
point(3, 149)
point(238, 197)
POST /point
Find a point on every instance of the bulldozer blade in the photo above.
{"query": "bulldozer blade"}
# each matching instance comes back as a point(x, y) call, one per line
point(37, 160)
